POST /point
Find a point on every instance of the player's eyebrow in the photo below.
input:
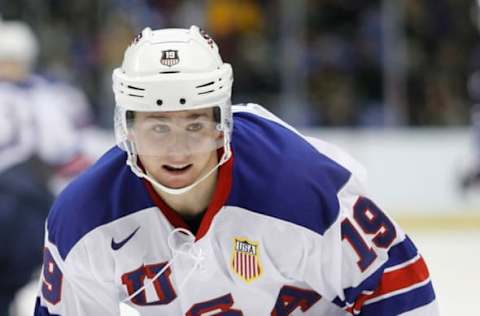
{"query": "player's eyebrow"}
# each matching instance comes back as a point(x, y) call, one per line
point(194, 116)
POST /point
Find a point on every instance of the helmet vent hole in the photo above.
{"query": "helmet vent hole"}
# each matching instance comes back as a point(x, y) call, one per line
point(159, 102)
point(169, 72)
point(206, 92)
point(182, 101)
point(205, 85)
point(136, 88)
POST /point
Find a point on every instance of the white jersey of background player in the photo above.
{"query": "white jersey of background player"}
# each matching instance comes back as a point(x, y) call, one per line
point(33, 110)
point(37, 145)
point(216, 213)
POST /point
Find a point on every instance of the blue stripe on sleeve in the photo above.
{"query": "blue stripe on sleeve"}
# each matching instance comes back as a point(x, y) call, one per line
point(400, 253)
point(401, 303)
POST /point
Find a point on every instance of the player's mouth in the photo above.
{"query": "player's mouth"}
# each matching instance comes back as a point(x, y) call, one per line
point(173, 169)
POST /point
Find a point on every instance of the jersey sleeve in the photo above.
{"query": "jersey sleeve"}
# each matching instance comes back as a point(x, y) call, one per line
point(365, 264)
point(70, 286)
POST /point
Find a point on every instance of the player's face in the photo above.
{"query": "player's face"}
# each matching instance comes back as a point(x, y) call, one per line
point(12, 70)
point(176, 147)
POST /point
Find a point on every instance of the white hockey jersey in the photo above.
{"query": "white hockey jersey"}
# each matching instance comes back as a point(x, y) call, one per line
point(289, 231)
point(34, 120)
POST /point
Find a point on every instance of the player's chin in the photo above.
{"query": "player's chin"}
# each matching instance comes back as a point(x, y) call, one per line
point(177, 181)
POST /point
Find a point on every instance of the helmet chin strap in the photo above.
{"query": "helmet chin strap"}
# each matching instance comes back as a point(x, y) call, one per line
point(133, 164)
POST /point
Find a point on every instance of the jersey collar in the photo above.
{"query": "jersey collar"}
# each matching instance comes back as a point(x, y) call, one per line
point(220, 196)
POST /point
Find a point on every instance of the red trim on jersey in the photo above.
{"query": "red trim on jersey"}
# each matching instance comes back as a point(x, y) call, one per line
point(395, 280)
point(222, 190)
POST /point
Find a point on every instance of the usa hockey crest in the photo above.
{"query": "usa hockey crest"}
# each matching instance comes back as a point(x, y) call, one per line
point(246, 260)
point(169, 57)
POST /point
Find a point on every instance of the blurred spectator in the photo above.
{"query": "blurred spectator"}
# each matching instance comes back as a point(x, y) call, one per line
point(39, 123)
point(440, 38)
point(242, 31)
point(341, 72)
point(343, 55)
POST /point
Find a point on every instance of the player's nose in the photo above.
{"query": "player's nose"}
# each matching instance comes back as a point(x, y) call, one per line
point(178, 146)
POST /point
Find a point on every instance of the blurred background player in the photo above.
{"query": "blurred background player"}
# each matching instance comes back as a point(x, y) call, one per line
point(39, 150)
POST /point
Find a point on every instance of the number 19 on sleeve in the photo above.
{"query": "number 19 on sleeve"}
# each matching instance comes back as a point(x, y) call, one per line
point(372, 221)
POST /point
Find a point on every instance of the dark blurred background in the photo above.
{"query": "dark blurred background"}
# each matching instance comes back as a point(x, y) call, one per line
point(315, 63)
point(323, 62)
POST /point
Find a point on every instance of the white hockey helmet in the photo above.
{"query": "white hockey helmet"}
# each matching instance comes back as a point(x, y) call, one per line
point(172, 70)
point(18, 42)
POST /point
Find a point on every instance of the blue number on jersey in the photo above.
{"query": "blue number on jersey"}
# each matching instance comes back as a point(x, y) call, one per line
point(52, 279)
point(163, 286)
point(291, 297)
point(222, 303)
point(372, 221)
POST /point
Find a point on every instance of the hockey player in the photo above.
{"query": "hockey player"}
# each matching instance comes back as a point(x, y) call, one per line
point(34, 138)
point(206, 208)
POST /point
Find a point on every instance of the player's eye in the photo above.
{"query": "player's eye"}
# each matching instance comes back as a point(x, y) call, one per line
point(160, 128)
point(195, 127)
